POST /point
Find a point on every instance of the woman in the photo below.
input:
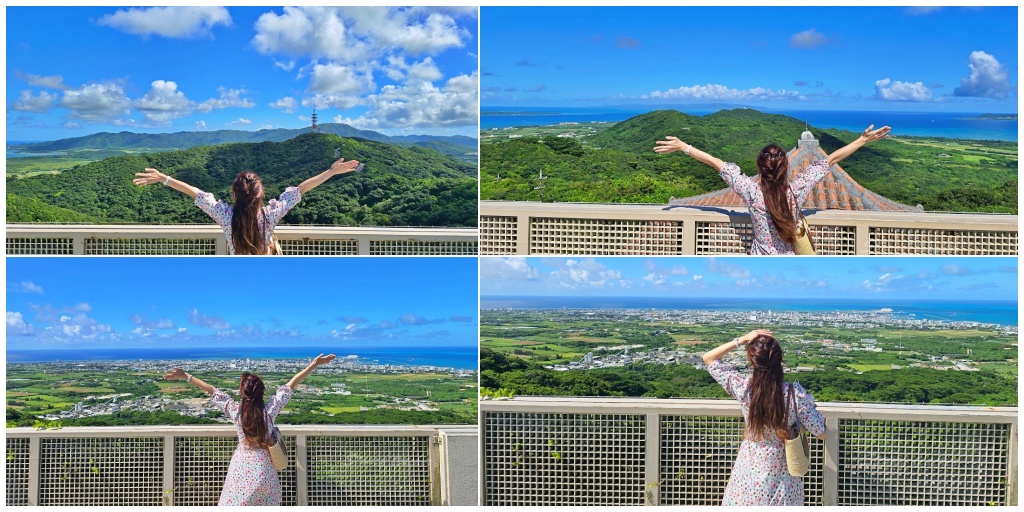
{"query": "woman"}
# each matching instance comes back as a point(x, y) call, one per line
point(252, 479)
point(248, 224)
point(775, 197)
point(761, 475)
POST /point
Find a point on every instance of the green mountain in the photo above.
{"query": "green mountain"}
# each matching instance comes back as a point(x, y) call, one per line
point(457, 144)
point(618, 165)
point(401, 186)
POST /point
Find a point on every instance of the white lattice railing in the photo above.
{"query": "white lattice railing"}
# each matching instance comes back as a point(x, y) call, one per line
point(523, 228)
point(617, 451)
point(194, 239)
point(187, 465)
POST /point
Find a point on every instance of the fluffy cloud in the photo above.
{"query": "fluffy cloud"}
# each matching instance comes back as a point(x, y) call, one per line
point(163, 103)
point(163, 323)
point(336, 80)
point(952, 269)
point(170, 22)
point(716, 92)
point(208, 322)
point(889, 90)
point(17, 326)
point(286, 104)
point(29, 287)
point(97, 103)
point(515, 268)
point(421, 105)
point(809, 38)
point(229, 98)
point(27, 102)
point(46, 82)
point(352, 34)
point(988, 78)
point(727, 269)
point(413, 319)
point(240, 120)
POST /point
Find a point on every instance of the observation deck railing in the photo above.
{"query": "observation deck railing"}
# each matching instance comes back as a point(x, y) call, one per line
point(618, 451)
point(186, 465)
point(510, 227)
point(202, 239)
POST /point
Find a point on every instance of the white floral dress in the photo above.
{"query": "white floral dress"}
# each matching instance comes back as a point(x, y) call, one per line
point(760, 475)
point(222, 213)
point(252, 479)
point(766, 239)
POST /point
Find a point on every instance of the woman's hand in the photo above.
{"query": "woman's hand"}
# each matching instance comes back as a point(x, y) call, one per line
point(175, 374)
point(870, 135)
point(748, 337)
point(322, 359)
point(670, 145)
point(342, 166)
point(149, 177)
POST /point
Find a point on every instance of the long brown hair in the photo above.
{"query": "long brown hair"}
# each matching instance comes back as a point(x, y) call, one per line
point(773, 166)
point(251, 412)
point(767, 407)
point(245, 226)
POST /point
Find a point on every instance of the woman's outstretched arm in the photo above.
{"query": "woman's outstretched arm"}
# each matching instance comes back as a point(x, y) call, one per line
point(179, 374)
point(341, 166)
point(672, 144)
point(301, 376)
point(869, 135)
point(725, 348)
point(151, 176)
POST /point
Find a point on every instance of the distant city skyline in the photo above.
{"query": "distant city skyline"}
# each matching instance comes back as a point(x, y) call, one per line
point(83, 303)
point(743, 277)
point(954, 59)
point(73, 71)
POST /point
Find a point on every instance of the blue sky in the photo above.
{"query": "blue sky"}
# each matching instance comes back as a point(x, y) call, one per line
point(744, 277)
point(810, 58)
point(76, 71)
point(172, 302)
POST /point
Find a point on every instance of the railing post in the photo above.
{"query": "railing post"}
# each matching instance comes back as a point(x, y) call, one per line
point(652, 457)
point(523, 233)
point(168, 497)
point(1011, 466)
point(301, 471)
point(78, 244)
point(34, 457)
point(862, 239)
point(364, 245)
point(434, 463)
point(830, 475)
point(689, 237)
point(220, 244)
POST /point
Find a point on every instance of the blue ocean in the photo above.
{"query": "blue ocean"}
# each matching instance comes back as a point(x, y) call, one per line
point(994, 312)
point(453, 357)
point(919, 124)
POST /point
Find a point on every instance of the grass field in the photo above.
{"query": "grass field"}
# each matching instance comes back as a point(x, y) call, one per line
point(869, 367)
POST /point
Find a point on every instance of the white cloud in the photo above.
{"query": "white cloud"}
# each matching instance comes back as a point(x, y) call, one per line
point(287, 66)
point(507, 269)
point(27, 102)
point(96, 103)
point(352, 34)
point(422, 105)
point(337, 79)
point(228, 98)
point(30, 287)
point(988, 78)
point(889, 90)
point(286, 105)
point(717, 92)
point(200, 126)
point(170, 22)
point(71, 125)
point(727, 269)
point(697, 277)
point(17, 326)
point(46, 82)
point(240, 120)
point(208, 322)
point(953, 269)
point(809, 38)
point(266, 127)
point(163, 103)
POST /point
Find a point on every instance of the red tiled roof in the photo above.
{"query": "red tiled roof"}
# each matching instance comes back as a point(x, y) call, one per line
point(836, 191)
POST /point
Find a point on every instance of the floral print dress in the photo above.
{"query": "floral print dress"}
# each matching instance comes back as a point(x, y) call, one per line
point(222, 212)
point(766, 239)
point(252, 479)
point(761, 475)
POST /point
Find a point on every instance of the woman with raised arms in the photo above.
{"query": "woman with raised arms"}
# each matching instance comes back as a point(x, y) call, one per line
point(252, 479)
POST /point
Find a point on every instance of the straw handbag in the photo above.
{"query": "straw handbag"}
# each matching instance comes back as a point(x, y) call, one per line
point(798, 448)
point(278, 454)
point(803, 244)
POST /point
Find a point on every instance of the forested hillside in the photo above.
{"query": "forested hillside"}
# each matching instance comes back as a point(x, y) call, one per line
point(619, 165)
point(402, 186)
